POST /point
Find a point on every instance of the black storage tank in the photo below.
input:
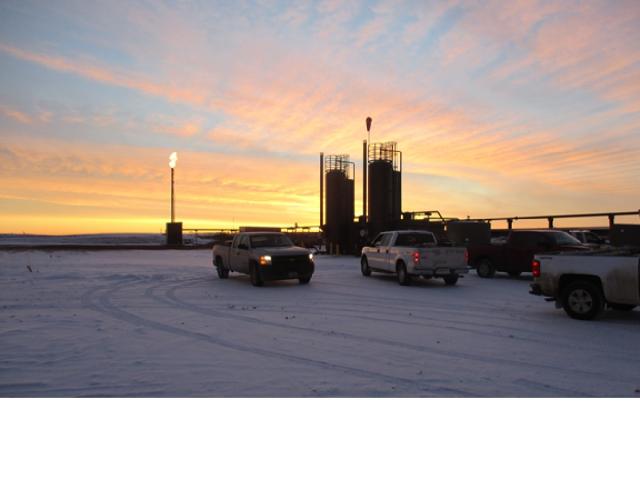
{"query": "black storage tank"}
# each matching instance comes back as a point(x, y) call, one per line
point(385, 187)
point(380, 196)
point(340, 198)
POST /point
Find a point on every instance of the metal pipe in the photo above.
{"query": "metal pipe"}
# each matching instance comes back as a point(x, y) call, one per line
point(173, 204)
point(321, 189)
point(365, 147)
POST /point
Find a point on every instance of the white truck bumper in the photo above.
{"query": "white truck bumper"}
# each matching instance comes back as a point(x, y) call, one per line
point(436, 272)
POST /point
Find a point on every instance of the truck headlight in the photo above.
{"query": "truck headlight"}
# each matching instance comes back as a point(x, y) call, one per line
point(311, 257)
point(265, 260)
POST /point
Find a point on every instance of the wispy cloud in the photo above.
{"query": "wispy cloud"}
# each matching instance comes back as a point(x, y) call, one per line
point(15, 115)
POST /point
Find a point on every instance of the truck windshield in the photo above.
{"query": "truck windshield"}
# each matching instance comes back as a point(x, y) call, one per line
point(415, 239)
point(563, 238)
point(270, 240)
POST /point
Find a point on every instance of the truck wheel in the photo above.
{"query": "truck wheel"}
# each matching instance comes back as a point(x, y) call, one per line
point(485, 268)
point(304, 280)
point(364, 267)
point(622, 307)
point(254, 274)
point(401, 272)
point(451, 279)
point(582, 300)
point(222, 272)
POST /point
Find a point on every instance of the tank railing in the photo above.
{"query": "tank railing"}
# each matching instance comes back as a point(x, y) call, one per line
point(340, 163)
point(387, 152)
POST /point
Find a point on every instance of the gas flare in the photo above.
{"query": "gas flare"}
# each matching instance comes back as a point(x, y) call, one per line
point(173, 159)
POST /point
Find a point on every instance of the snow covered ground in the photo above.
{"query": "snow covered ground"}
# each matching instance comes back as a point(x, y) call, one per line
point(160, 323)
point(118, 239)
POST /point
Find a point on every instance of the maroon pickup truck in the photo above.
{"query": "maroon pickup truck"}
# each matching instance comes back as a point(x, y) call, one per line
point(514, 256)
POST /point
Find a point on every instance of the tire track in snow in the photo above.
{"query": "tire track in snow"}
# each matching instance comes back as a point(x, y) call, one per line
point(433, 323)
point(171, 299)
point(106, 306)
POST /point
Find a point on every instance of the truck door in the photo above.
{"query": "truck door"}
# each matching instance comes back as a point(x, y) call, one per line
point(376, 253)
point(240, 255)
point(385, 252)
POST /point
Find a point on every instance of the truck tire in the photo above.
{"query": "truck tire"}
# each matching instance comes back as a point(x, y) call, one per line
point(364, 267)
point(304, 280)
point(622, 307)
point(485, 268)
point(222, 272)
point(582, 300)
point(401, 272)
point(451, 279)
point(254, 274)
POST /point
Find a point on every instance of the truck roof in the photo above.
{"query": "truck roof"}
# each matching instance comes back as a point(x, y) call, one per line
point(408, 231)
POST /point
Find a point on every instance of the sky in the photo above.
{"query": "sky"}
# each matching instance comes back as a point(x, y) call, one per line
point(500, 108)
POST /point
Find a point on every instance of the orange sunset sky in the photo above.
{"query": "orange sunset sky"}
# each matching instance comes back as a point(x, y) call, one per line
point(500, 108)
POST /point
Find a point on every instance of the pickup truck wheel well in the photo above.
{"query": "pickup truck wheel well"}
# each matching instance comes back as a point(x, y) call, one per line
point(569, 278)
point(480, 259)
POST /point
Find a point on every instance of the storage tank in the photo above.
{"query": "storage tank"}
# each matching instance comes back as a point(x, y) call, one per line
point(396, 208)
point(385, 187)
point(339, 180)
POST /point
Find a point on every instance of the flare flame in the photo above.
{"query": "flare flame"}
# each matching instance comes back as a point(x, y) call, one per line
point(173, 159)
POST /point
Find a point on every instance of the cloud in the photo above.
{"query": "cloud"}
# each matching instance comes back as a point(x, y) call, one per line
point(16, 115)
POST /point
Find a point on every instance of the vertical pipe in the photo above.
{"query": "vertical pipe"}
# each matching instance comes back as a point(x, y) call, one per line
point(321, 189)
point(173, 207)
point(364, 180)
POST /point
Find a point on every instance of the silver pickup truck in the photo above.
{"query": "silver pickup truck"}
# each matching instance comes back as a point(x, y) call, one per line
point(583, 283)
point(413, 253)
point(264, 256)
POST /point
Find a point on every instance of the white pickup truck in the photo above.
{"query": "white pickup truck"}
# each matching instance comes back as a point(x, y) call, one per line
point(413, 253)
point(583, 283)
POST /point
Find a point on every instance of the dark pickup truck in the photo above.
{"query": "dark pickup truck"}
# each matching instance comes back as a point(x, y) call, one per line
point(264, 256)
point(515, 255)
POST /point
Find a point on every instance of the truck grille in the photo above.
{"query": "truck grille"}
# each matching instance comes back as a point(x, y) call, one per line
point(290, 263)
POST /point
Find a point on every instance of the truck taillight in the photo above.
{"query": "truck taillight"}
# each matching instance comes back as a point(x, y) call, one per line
point(535, 268)
point(416, 257)
point(466, 256)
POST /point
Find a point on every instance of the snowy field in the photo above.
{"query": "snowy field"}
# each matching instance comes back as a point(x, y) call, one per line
point(98, 239)
point(160, 323)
